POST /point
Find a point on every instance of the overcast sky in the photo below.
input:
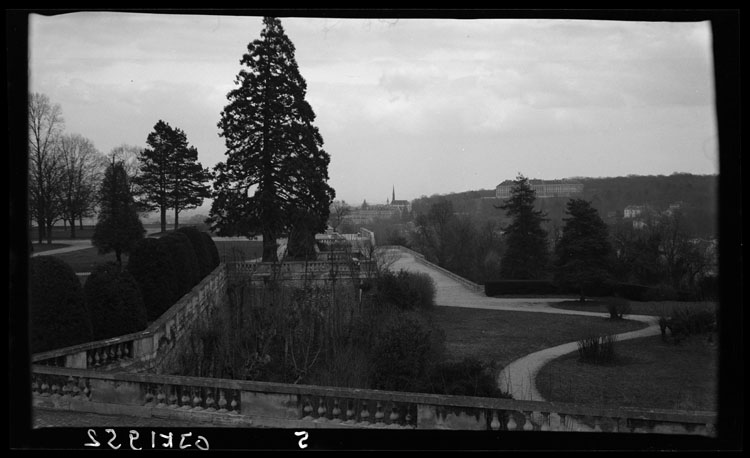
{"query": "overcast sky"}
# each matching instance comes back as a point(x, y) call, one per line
point(430, 106)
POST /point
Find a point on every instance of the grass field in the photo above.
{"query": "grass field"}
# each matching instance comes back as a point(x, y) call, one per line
point(649, 373)
point(42, 247)
point(502, 336)
point(657, 308)
point(85, 260)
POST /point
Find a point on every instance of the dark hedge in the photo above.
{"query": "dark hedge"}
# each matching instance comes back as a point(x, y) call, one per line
point(114, 301)
point(151, 265)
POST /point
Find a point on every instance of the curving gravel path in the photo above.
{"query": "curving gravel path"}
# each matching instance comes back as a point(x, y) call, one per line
point(518, 377)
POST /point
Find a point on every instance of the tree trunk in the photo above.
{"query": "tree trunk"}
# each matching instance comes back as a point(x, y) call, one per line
point(40, 225)
point(72, 227)
point(80, 221)
point(176, 219)
point(269, 247)
point(49, 233)
point(163, 219)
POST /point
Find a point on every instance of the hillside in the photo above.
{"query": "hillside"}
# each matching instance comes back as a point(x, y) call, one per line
point(610, 195)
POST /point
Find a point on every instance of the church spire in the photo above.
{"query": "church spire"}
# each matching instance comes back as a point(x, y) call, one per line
point(394, 194)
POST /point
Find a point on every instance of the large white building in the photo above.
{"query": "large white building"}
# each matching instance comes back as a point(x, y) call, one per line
point(543, 188)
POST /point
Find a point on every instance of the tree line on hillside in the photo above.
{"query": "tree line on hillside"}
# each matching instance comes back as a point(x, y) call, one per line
point(583, 254)
point(697, 194)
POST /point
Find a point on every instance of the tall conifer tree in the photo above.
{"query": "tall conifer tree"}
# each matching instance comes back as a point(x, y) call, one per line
point(583, 256)
point(526, 253)
point(118, 227)
point(276, 168)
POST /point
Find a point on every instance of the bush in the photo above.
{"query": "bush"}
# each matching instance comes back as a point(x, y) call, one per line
point(687, 321)
point(184, 255)
point(201, 251)
point(151, 266)
point(468, 377)
point(406, 290)
point(213, 251)
point(618, 307)
point(495, 288)
point(57, 312)
point(114, 302)
point(404, 351)
point(597, 349)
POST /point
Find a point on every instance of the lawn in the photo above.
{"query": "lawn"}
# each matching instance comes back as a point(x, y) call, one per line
point(85, 260)
point(42, 247)
point(656, 308)
point(649, 373)
point(502, 336)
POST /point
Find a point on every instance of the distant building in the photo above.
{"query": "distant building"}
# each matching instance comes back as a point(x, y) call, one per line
point(367, 213)
point(633, 211)
point(543, 188)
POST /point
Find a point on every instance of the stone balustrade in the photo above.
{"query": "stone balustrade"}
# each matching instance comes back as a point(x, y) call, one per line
point(419, 257)
point(295, 270)
point(152, 347)
point(250, 403)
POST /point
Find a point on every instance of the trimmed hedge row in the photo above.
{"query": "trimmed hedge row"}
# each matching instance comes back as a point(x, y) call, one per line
point(58, 316)
point(114, 302)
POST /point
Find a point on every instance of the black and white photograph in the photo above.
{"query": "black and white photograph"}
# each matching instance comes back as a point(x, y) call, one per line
point(375, 230)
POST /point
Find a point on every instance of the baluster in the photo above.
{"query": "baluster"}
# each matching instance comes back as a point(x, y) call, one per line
point(408, 418)
point(222, 402)
point(95, 357)
point(234, 404)
point(161, 397)
point(495, 423)
point(173, 398)
point(350, 412)
point(307, 410)
point(197, 400)
point(210, 402)
point(379, 415)
point(86, 390)
point(545, 420)
point(76, 390)
point(34, 387)
point(185, 399)
point(89, 359)
point(55, 390)
point(597, 425)
point(66, 389)
point(126, 349)
point(364, 415)
point(118, 353)
point(149, 397)
point(394, 415)
point(528, 426)
point(322, 410)
point(511, 422)
point(336, 412)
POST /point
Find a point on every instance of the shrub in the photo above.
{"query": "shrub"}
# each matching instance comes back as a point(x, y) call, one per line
point(185, 256)
point(114, 302)
point(468, 377)
point(597, 349)
point(199, 246)
point(57, 312)
point(213, 251)
point(151, 266)
point(687, 321)
point(618, 307)
point(406, 290)
point(494, 288)
point(405, 349)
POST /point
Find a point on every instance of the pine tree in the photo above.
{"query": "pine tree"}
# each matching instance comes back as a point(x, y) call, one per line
point(275, 167)
point(526, 254)
point(171, 176)
point(583, 256)
point(118, 227)
point(189, 181)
